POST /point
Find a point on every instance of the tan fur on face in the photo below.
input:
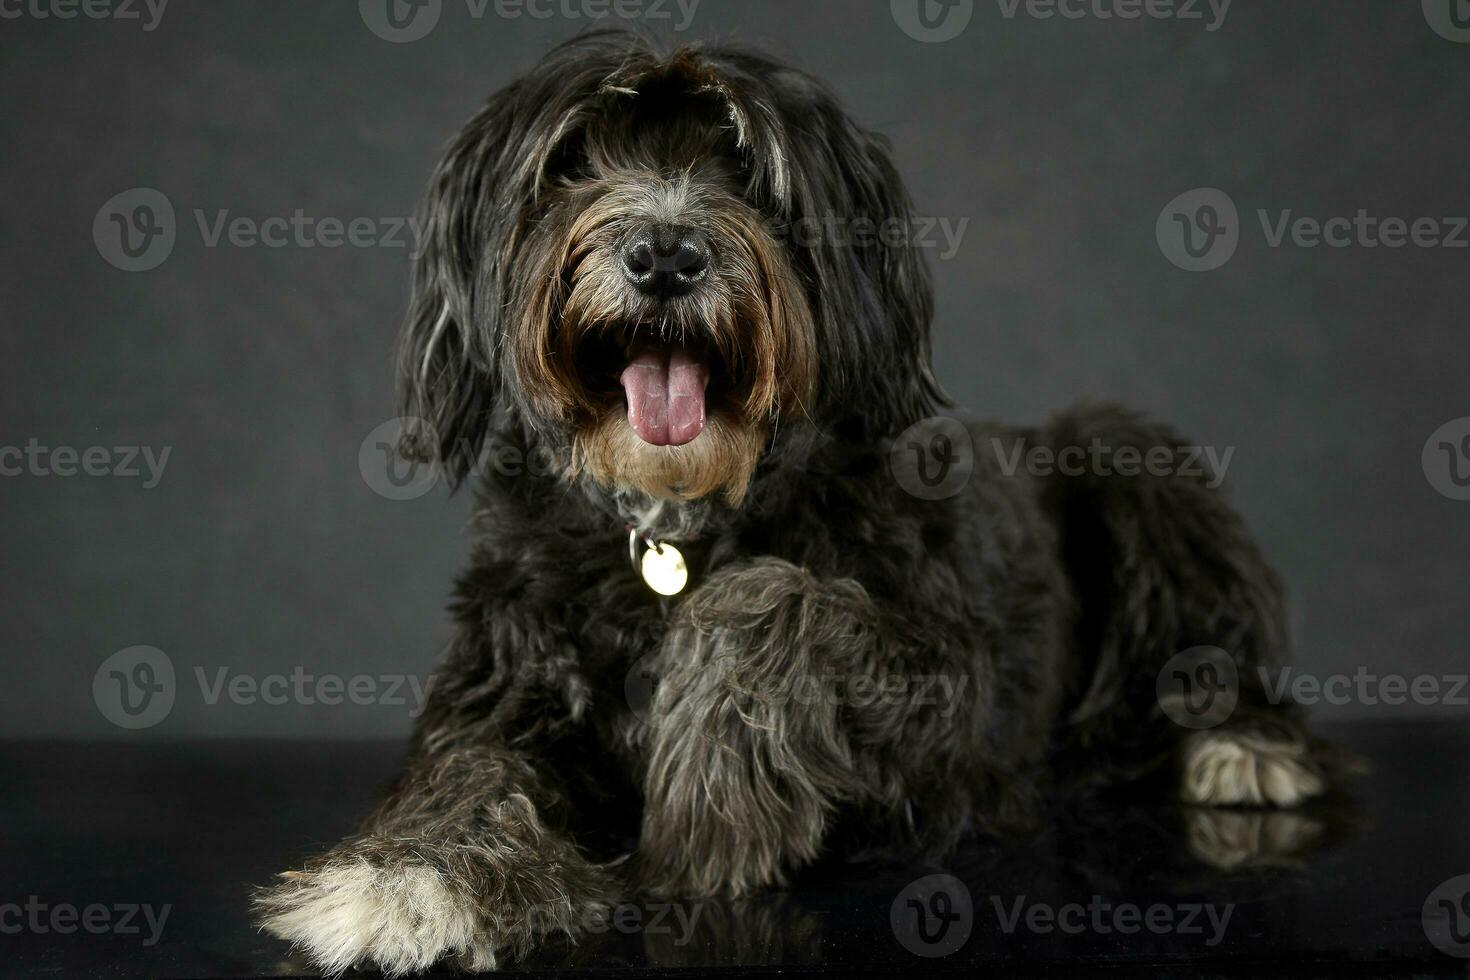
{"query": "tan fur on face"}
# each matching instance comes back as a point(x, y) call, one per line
point(722, 458)
point(752, 312)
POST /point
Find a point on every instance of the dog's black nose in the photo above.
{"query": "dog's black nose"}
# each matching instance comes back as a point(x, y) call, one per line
point(666, 260)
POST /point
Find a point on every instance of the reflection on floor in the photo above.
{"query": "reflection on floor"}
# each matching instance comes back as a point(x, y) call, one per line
point(1361, 886)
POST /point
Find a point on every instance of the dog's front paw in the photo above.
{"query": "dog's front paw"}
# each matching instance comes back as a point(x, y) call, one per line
point(398, 915)
point(747, 759)
point(402, 905)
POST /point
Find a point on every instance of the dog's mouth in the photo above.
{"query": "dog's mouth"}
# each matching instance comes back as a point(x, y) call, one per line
point(668, 382)
point(664, 384)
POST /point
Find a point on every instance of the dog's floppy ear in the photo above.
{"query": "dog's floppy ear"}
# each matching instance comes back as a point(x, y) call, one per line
point(873, 293)
point(471, 222)
point(448, 380)
point(905, 291)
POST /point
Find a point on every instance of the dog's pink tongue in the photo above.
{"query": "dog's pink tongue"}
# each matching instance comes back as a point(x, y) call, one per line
point(664, 384)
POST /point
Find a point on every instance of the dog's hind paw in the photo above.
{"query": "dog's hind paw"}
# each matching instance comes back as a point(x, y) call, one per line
point(1226, 768)
point(400, 917)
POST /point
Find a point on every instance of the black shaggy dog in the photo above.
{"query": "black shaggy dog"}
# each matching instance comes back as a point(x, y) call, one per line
point(648, 271)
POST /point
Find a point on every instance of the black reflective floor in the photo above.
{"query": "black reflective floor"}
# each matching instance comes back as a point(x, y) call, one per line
point(135, 861)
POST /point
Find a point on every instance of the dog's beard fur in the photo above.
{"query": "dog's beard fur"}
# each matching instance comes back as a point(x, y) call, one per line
point(722, 458)
point(749, 313)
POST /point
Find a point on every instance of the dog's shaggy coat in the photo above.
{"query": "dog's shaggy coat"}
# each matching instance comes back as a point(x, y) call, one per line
point(1046, 605)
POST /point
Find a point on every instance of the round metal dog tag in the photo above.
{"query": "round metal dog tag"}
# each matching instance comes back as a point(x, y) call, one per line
point(664, 570)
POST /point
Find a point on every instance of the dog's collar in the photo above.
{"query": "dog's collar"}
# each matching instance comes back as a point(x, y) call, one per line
point(660, 564)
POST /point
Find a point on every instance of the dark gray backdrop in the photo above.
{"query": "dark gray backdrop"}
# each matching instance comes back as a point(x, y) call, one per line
point(262, 549)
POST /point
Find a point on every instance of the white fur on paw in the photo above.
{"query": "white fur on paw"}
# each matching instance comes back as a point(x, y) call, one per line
point(400, 918)
point(1226, 768)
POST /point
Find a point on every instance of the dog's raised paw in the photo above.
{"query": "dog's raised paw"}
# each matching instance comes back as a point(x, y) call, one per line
point(400, 917)
point(1224, 768)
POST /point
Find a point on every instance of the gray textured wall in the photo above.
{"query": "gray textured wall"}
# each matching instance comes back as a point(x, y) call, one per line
point(262, 549)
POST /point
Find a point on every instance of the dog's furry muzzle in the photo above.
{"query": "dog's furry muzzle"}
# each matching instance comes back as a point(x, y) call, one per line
point(745, 324)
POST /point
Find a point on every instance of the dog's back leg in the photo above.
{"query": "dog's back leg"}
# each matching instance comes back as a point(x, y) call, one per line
point(1167, 575)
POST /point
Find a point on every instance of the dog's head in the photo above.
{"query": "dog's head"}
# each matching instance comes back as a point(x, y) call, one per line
point(657, 264)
